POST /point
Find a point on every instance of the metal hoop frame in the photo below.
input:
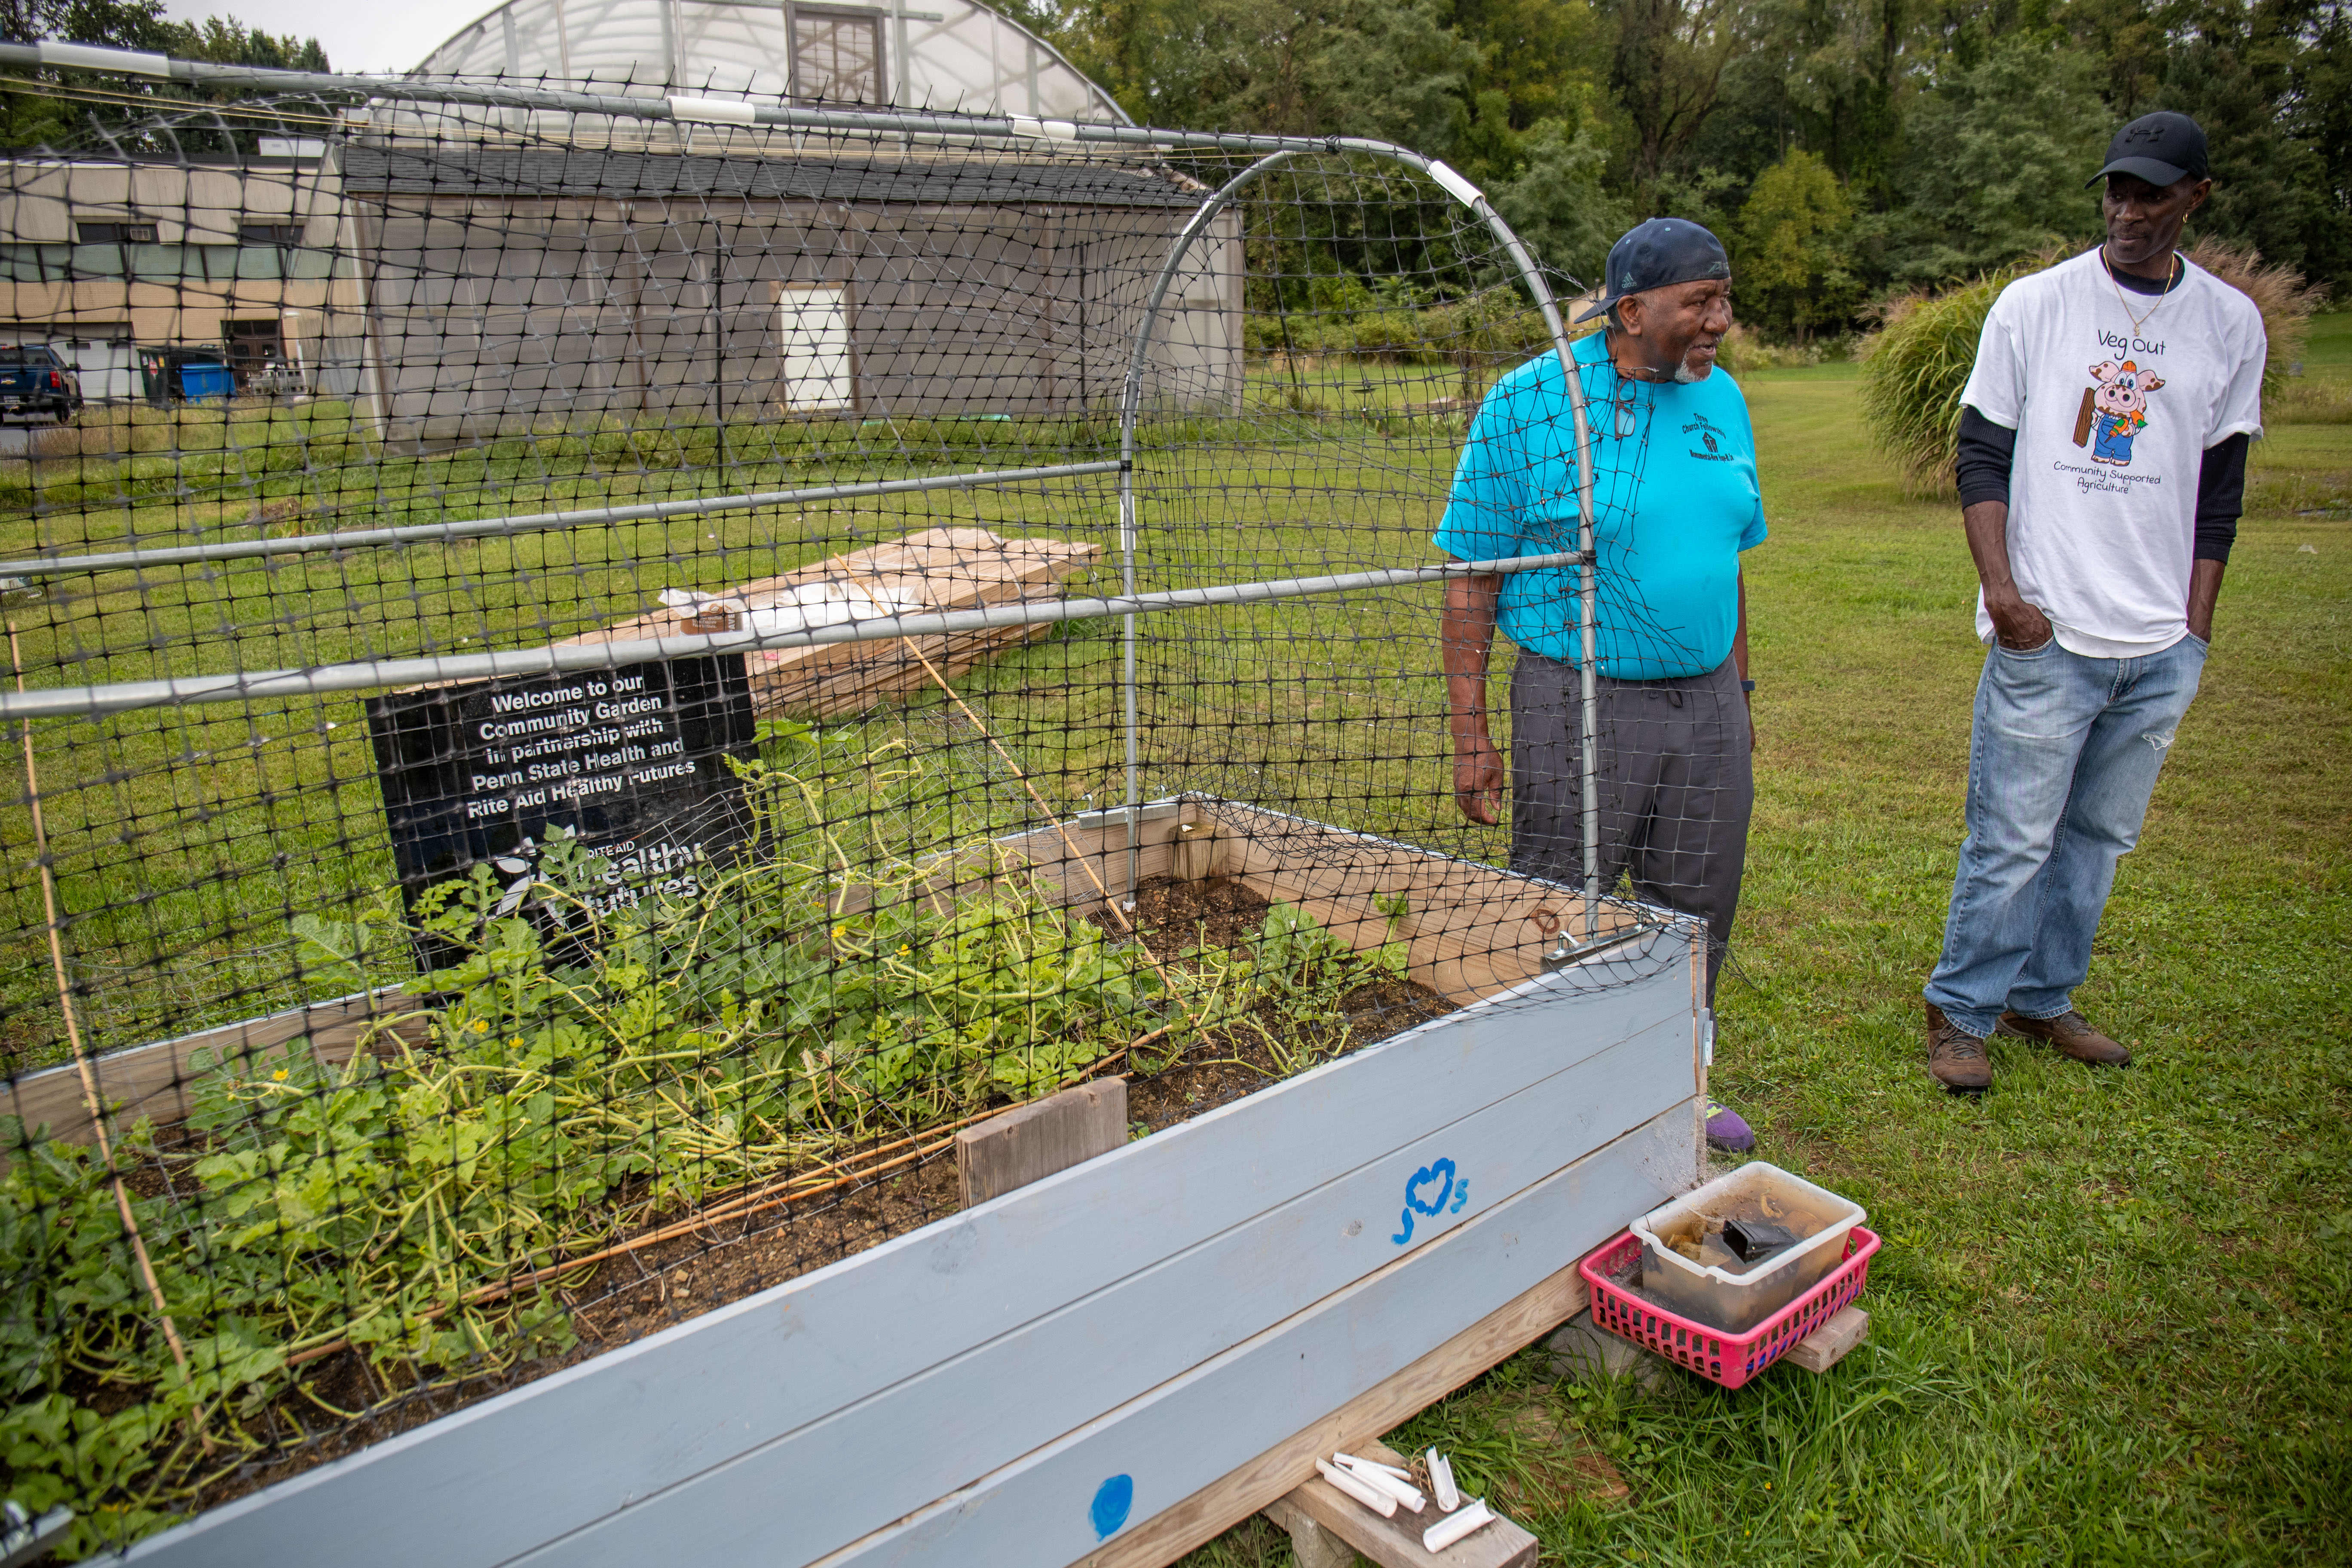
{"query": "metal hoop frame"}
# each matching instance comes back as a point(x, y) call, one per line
point(1472, 200)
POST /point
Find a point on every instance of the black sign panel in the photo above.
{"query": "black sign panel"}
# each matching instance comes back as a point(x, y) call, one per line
point(633, 759)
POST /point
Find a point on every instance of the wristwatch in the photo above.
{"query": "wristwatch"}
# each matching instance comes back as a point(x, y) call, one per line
point(1747, 686)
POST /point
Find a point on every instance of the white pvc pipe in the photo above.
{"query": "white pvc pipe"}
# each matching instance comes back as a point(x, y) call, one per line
point(1377, 1478)
point(1456, 1527)
point(1441, 1477)
point(1379, 1503)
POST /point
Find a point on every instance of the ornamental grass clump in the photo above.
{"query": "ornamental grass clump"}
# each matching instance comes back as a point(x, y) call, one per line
point(1912, 369)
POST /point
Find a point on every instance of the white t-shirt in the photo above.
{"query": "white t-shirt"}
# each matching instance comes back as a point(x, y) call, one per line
point(2112, 425)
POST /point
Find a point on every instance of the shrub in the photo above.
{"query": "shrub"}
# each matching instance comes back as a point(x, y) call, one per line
point(1743, 353)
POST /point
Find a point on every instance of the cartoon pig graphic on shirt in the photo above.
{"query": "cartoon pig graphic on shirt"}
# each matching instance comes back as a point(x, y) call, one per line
point(2119, 409)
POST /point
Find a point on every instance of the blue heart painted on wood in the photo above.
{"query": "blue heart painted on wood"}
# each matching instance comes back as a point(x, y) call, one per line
point(1442, 1173)
point(1443, 1168)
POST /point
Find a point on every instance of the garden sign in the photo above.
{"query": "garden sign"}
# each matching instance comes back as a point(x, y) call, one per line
point(632, 761)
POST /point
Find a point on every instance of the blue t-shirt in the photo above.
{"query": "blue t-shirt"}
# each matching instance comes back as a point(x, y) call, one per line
point(1676, 499)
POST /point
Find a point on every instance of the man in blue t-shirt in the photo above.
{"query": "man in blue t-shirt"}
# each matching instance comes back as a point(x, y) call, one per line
point(1674, 502)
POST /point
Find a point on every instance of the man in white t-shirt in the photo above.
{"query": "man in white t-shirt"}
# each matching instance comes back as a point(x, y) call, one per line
point(2103, 450)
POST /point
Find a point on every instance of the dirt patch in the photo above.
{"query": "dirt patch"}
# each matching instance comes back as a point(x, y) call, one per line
point(1214, 915)
point(673, 1281)
point(1558, 1464)
point(641, 1294)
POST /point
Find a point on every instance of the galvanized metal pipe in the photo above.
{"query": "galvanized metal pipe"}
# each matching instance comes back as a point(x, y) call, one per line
point(530, 523)
point(371, 675)
point(676, 108)
point(1455, 185)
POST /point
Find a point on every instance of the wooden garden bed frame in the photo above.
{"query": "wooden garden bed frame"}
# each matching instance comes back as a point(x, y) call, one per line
point(1120, 1362)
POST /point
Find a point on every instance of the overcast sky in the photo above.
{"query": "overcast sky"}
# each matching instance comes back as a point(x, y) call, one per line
point(358, 34)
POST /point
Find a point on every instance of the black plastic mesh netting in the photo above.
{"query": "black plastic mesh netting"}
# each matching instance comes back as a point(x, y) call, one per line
point(575, 745)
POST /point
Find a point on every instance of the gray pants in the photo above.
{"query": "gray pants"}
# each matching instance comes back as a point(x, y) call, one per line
point(1676, 787)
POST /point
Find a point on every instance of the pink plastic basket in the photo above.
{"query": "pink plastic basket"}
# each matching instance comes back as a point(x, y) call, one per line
point(1727, 1359)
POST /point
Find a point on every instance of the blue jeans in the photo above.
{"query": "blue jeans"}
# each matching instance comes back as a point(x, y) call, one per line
point(2062, 763)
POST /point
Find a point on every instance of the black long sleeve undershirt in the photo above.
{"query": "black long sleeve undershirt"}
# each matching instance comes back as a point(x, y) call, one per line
point(1988, 450)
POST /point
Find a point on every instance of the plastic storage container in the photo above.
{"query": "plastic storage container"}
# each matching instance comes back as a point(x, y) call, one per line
point(1727, 1359)
point(1732, 1301)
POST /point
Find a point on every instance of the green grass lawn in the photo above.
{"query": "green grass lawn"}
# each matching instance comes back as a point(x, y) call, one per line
point(2110, 1320)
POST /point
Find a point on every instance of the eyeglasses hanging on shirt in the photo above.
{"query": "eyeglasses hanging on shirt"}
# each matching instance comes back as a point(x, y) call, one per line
point(1624, 420)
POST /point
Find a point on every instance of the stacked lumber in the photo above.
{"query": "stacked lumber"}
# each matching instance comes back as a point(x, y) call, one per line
point(938, 568)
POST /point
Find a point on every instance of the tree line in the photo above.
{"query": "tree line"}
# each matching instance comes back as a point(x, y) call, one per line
point(1847, 150)
point(36, 120)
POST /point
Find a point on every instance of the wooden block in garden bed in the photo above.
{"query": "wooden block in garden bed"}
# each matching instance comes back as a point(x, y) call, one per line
point(1033, 1142)
point(939, 568)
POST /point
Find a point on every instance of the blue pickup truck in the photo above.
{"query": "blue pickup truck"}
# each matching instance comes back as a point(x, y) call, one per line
point(34, 382)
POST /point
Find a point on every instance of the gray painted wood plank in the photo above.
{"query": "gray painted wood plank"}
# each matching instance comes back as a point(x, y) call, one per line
point(1036, 1141)
point(882, 1458)
point(502, 1476)
point(1183, 1435)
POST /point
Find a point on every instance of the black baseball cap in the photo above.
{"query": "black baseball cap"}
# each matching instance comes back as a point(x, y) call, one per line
point(2159, 148)
point(1654, 255)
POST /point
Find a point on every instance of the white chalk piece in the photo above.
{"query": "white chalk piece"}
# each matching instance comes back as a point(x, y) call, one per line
point(1377, 1476)
point(1441, 1475)
point(1379, 1503)
point(1473, 1518)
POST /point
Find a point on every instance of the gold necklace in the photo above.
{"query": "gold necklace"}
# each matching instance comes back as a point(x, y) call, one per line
point(2173, 276)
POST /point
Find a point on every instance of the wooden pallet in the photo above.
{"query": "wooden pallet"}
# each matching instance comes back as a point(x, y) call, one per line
point(939, 568)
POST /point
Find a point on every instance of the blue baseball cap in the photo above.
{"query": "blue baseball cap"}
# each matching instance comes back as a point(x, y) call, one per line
point(1654, 255)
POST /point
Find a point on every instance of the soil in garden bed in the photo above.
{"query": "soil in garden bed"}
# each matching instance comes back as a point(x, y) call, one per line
point(1216, 912)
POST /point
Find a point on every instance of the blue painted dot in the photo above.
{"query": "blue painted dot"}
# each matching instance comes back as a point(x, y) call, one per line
point(1112, 1499)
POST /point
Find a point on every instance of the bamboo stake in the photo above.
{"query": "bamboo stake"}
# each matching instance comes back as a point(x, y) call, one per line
point(91, 1098)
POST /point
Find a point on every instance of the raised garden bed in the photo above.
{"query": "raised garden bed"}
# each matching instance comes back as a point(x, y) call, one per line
point(971, 1389)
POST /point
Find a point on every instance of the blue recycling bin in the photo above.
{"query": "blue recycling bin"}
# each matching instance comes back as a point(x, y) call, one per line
point(202, 381)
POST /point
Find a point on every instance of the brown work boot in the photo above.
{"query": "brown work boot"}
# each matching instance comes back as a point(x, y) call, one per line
point(2071, 1033)
point(1955, 1056)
